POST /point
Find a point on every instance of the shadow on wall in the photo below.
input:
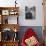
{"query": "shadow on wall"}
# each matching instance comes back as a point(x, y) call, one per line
point(37, 29)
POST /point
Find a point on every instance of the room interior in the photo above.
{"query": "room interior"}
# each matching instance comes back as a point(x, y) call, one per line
point(15, 19)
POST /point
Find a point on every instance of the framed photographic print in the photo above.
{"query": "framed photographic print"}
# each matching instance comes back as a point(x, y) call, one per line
point(30, 13)
point(5, 12)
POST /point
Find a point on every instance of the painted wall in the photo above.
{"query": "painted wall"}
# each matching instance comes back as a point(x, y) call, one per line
point(22, 3)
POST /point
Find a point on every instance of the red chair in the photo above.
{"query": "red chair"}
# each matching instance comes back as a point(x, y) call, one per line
point(29, 33)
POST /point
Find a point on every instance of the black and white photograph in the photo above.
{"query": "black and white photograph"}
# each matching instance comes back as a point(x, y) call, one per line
point(30, 13)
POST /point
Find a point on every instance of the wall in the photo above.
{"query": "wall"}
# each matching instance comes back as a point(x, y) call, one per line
point(39, 13)
point(22, 3)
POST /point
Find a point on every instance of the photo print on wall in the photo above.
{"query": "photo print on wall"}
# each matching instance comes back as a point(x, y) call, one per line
point(30, 13)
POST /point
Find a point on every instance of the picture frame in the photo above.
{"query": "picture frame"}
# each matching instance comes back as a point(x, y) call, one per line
point(5, 12)
point(30, 12)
